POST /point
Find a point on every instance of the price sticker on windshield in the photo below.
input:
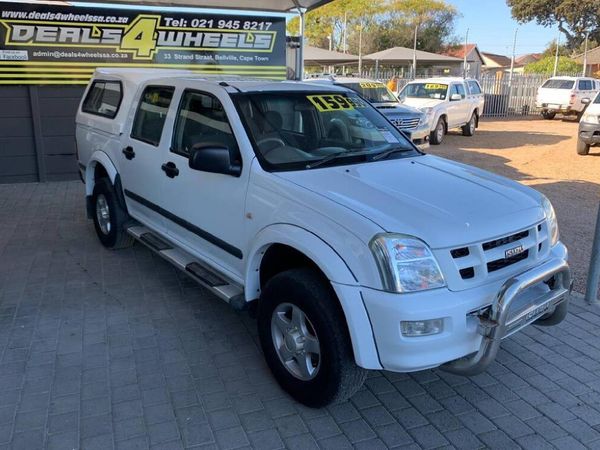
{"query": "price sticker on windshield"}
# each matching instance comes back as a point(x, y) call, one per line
point(435, 87)
point(326, 103)
point(370, 85)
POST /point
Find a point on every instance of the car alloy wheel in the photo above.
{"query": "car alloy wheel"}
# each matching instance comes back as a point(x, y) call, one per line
point(439, 131)
point(295, 341)
point(103, 214)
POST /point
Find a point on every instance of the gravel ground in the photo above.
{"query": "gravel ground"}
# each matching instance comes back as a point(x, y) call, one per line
point(540, 154)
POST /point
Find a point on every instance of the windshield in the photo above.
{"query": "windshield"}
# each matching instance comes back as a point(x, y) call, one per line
point(373, 91)
point(435, 91)
point(304, 130)
point(558, 84)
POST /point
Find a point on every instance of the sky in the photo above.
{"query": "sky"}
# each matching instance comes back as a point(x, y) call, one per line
point(492, 28)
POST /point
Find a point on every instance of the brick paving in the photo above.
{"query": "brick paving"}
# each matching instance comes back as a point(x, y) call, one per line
point(103, 350)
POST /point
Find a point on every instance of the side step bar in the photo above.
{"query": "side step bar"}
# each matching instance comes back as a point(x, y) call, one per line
point(217, 283)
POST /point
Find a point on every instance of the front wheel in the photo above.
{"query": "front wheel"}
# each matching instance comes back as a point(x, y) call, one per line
point(468, 129)
point(109, 217)
point(305, 340)
point(582, 147)
point(548, 115)
point(437, 135)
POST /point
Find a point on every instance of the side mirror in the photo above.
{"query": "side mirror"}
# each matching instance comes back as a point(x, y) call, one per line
point(586, 100)
point(455, 97)
point(213, 158)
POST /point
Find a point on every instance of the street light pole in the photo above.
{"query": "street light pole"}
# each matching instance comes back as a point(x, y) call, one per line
point(556, 54)
point(585, 50)
point(512, 60)
point(414, 74)
point(465, 55)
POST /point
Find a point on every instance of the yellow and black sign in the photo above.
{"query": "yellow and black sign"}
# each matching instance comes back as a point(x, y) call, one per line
point(325, 103)
point(52, 44)
point(435, 87)
point(371, 85)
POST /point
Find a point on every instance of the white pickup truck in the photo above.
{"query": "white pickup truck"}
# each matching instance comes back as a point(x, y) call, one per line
point(566, 95)
point(447, 102)
point(355, 251)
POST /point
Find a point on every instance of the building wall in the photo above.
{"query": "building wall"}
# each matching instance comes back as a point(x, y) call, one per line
point(37, 133)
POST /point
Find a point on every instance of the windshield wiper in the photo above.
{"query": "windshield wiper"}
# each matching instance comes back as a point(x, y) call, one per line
point(389, 152)
point(332, 157)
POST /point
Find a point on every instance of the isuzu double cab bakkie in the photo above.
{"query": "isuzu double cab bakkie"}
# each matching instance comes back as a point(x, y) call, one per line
point(355, 250)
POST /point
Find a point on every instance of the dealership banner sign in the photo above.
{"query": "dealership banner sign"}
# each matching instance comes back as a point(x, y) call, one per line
point(56, 44)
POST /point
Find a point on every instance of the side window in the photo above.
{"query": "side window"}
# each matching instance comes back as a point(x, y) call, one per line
point(460, 88)
point(585, 85)
point(151, 114)
point(474, 88)
point(201, 119)
point(103, 99)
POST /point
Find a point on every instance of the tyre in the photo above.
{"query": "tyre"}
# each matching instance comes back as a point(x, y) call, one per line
point(437, 135)
point(468, 129)
point(548, 115)
point(582, 147)
point(305, 339)
point(109, 217)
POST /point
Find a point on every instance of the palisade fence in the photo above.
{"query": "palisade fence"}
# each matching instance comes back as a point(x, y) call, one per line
point(504, 96)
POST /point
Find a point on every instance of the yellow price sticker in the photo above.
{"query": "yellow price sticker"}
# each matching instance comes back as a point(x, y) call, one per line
point(435, 87)
point(370, 85)
point(333, 102)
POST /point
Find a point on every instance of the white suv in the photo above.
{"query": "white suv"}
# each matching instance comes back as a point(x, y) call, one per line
point(564, 95)
point(448, 103)
point(355, 250)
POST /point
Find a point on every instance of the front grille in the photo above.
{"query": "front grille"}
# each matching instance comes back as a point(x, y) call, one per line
point(479, 261)
point(505, 240)
point(407, 123)
point(505, 262)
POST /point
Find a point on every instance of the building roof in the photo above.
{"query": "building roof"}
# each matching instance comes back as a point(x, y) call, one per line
point(498, 60)
point(593, 56)
point(527, 58)
point(321, 57)
point(458, 51)
point(403, 54)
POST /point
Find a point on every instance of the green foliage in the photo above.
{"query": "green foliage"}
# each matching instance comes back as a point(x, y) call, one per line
point(573, 17)
point(384, 23)
point(550, 49)
point(546, 66)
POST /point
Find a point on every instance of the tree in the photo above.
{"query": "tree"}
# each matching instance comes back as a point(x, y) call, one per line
point(550, 49)
point(545, 66)
point(573, 17)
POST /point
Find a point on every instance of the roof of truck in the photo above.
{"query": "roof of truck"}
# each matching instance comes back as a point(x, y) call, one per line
point(242, 84)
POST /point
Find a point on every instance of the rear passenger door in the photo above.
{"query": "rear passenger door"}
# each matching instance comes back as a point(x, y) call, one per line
point(141, 157)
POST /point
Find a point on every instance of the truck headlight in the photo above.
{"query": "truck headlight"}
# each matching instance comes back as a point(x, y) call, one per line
point(552, 221)
point(591, 118)
point(405, 263)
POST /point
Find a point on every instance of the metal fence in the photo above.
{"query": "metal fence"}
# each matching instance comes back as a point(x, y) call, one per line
point(505, 96)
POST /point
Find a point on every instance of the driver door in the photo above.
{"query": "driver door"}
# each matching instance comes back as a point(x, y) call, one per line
point(207, 209)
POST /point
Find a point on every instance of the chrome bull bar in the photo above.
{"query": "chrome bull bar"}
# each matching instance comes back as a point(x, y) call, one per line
point(496, 324)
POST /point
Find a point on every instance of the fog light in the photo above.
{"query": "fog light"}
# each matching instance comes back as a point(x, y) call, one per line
point(421, 327)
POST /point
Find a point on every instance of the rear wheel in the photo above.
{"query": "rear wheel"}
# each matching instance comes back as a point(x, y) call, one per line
point(305, 339)
point(468, 129)
point(548, 115)
point(582, 147)
point(109, 217)
point(437, 135)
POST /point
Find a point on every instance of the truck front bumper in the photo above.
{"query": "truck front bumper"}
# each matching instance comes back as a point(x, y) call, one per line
point(474, 321)
point(420, 136)
point(589, 133)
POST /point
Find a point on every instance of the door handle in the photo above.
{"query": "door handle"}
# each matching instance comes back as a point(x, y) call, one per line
point(128, 152)
point(170, 169)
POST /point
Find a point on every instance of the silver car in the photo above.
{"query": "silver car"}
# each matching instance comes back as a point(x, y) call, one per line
point(407, 119)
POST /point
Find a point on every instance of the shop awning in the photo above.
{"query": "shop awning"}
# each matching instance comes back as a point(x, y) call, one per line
point(281, 6)
point(314, 56)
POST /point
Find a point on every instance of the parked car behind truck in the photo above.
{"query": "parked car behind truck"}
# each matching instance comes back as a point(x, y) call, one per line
point(356, 251)
point(588, 134)
point(407, 119)
point(564, 95)
point(448, 103)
